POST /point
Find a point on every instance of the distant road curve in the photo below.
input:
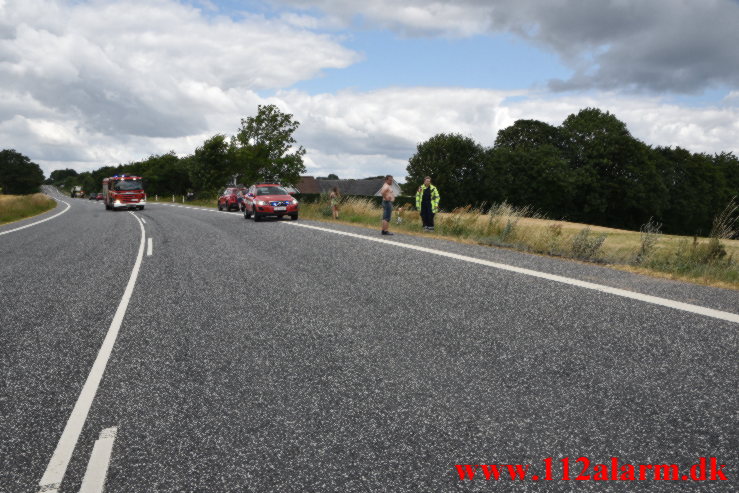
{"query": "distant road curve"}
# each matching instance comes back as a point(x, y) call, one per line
point(41, 220)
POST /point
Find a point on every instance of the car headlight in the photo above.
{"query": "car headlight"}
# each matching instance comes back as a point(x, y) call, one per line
point(295, 202)
point(117, 202)
point(261, 202)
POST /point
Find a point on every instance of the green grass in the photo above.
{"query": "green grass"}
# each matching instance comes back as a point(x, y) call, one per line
point(712, 261)
point(17, 207)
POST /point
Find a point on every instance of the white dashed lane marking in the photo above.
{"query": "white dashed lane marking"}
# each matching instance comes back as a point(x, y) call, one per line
point(57, 467)
point(97, 466)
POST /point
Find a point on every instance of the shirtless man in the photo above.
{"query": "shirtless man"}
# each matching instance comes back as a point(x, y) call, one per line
point(388, 197)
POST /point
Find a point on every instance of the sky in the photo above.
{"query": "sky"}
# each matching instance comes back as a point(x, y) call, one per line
point(87, 83)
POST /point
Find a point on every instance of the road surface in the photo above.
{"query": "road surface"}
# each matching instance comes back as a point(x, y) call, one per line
point(185, 349)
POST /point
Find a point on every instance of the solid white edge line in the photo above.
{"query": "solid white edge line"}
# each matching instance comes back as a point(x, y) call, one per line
point(57, 467)
point(143, 220)
point(655, 300)
point(149, 247)
point(38, 222)
point(97, 466)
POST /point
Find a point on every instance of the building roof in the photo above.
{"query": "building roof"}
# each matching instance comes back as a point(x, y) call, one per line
point(367, 187)
point(308, 184)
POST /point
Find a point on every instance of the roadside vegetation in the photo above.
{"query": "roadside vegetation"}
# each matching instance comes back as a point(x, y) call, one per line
point(16, 207)
point(629, 204)
point(713, 260)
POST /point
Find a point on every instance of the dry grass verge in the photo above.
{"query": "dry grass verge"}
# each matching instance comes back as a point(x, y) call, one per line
point(712, 261)
point(17, 207)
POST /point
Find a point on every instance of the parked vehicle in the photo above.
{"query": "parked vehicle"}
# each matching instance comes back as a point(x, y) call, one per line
point(229, 199)
point(99, 196)
point(123, 191)
point(92, 196)
point(269, 199)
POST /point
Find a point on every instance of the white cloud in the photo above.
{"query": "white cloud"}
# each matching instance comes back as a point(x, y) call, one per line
point(141, 68)
point(83, 84)
point(393, 120)
point(637, 45)
point(357, 134)
point(411, 17)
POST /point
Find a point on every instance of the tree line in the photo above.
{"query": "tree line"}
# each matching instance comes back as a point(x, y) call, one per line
point(263, 149)
point(18, 174)
point(589, 169)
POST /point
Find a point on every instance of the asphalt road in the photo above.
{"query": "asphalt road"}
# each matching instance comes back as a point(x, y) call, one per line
point(274, 357)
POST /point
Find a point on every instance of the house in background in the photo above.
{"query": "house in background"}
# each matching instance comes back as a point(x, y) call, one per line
point(367, 187)
point(308, 184)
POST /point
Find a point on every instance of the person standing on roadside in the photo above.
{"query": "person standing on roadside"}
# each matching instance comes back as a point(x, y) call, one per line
point(388, 197)
point(334, 196)
point(427, 201)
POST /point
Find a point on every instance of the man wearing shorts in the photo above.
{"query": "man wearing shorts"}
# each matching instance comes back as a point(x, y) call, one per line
point(388, 197)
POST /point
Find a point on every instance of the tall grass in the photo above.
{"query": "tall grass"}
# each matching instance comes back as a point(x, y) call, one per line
point(701, 258)
point(707, 260)
point(16, 207)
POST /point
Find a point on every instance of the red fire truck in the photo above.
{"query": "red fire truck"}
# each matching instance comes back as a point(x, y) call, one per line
point(124, 192)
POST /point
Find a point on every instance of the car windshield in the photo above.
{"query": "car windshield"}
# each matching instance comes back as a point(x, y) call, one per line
point(128, 185)
point(271, 191)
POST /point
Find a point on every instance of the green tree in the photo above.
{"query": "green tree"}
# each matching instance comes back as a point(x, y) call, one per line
point(264, 149)
point(454, 163)
point(18, 174)
point(540, 177)
point(618, 182)
point(697, 190)
point(88, 183)
point(526, 135)
point(332, 176)
point(163, 174)
point(58, 175)
point(212, 165)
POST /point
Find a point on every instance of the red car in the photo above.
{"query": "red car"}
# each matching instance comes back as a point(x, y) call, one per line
point(99, 196)
point(229, 199)
point(269, 199)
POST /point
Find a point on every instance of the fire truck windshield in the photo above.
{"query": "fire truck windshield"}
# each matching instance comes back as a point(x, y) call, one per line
point(125, 185)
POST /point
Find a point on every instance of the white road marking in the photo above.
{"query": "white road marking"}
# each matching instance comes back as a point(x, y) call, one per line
point(57, 466)
point(143, 220)
point(149, 247)
point(38, 222)
point(678, 305)
point(97, 467)
point(205, 209)
point(655, 300)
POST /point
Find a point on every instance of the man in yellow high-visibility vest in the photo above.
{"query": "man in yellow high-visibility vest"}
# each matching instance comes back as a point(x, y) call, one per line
point(427, 202)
